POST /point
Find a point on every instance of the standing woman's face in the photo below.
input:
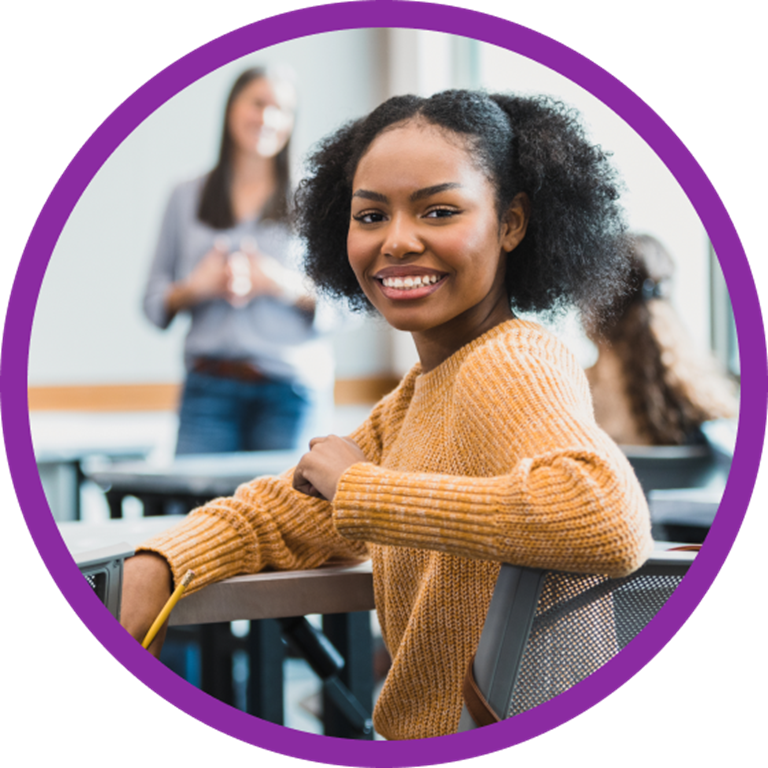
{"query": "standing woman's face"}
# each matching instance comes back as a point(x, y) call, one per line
point(261, 117)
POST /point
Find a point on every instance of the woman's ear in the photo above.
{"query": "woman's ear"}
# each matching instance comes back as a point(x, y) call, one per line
point(515, 222)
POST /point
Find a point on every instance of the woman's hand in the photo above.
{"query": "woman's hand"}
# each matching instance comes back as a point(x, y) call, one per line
point(262, 275)
point(318, 472)
point(147, 585)
point(209, 280)
point(268, 277)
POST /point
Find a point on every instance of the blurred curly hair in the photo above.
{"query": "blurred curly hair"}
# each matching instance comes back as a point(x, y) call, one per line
point(672, 388)
point(575, 250)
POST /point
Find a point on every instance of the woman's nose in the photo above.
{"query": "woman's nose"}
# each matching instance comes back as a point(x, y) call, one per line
point(401, 238)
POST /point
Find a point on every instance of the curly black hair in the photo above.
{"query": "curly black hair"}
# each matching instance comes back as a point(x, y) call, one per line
point(575, 251)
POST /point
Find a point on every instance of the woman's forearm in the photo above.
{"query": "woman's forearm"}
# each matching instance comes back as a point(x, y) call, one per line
point(147, 585)
point(178, 297)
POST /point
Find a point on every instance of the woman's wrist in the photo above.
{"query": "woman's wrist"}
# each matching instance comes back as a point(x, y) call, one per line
point(147, 585)
point(174, 298)
point(180, 296)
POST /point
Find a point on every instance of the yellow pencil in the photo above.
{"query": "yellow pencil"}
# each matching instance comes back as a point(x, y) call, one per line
point(167, 608)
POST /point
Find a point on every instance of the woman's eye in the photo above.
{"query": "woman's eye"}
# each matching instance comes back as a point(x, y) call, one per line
point(370, 217)
point(441, 213)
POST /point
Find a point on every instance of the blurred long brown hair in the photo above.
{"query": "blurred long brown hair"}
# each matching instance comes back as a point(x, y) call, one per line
point(671, 389)
point(216, 201)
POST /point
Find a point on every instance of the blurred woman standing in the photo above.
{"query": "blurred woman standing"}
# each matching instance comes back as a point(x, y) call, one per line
point(255, 355)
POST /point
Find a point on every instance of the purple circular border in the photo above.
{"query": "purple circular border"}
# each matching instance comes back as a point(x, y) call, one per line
point(328, 18)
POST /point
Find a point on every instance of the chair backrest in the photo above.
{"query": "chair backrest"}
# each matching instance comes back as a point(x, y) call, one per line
point(546, 630)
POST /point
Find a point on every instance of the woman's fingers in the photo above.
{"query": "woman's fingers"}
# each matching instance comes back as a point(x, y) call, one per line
point(302, 485)
point(318, 472)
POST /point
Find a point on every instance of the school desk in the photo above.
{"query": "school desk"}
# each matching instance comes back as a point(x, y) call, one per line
point(184, 482)
point(65, 441)
point(342, 593)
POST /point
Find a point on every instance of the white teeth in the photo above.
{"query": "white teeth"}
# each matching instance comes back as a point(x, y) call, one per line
point(408, 283)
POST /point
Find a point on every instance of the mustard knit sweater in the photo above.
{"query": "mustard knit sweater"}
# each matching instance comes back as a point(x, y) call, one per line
point(492, 456)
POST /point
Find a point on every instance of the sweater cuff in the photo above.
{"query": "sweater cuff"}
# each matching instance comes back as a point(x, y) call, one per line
point(420, 510)
point(204, 543)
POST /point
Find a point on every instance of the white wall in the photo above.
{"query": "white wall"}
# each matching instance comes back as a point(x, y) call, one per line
point(88, 324)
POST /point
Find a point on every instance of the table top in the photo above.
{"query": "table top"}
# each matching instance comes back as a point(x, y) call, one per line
point(201, 474)
point(68, 437)
point(334, 588)
point(685, 506)
point(80, 536)
point(342, 587)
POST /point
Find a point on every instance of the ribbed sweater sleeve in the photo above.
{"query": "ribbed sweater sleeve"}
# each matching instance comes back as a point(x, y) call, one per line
point(266, 524)
point(549, 491)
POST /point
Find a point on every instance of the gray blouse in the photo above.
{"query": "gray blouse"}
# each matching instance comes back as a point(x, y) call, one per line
point(274, 335)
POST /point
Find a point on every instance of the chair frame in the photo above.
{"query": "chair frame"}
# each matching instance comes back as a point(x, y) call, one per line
point(509, 621)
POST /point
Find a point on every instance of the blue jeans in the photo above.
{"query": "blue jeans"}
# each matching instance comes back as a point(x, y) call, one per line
point(220, 415)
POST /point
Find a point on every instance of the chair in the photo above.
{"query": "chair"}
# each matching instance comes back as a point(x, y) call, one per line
point(545, 631)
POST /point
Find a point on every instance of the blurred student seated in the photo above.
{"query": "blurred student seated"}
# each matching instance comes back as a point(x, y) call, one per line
point(649, 385)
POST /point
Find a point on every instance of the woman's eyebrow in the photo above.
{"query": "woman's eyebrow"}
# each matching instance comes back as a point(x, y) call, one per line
point(368, 195)
point(419, 194)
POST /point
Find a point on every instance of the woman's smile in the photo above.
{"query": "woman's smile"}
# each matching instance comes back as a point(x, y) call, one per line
point(409, 283)
point(425, 239)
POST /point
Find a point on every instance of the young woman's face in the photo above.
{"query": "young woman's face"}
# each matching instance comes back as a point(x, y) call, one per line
point(261, 117)
point(425, 241)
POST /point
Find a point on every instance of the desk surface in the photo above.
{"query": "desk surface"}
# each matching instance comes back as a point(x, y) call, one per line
point(65, 436)
point(204, 474)
point(685, 506)
point(334, 588)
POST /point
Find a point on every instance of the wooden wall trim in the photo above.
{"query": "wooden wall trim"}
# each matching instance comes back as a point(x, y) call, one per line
point(363, 391)
point(104, 397)
point(164, 397)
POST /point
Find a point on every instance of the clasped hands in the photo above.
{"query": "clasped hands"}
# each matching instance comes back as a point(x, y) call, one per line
point(319, 471)
point(237, 277)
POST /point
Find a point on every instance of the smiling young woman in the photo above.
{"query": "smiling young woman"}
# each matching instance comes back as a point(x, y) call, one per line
point(425, 240)
point(446, 215)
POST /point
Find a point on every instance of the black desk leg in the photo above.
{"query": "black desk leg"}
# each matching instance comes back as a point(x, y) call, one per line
point(266, 653)
point(216, 661)
point(154, 505)
point(350, 634)
point(115, 501)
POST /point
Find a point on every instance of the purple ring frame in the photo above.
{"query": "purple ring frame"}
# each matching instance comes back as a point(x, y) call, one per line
point(345, 16)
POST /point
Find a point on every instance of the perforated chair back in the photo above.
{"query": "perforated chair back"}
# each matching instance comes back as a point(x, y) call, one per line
point(545, 630)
